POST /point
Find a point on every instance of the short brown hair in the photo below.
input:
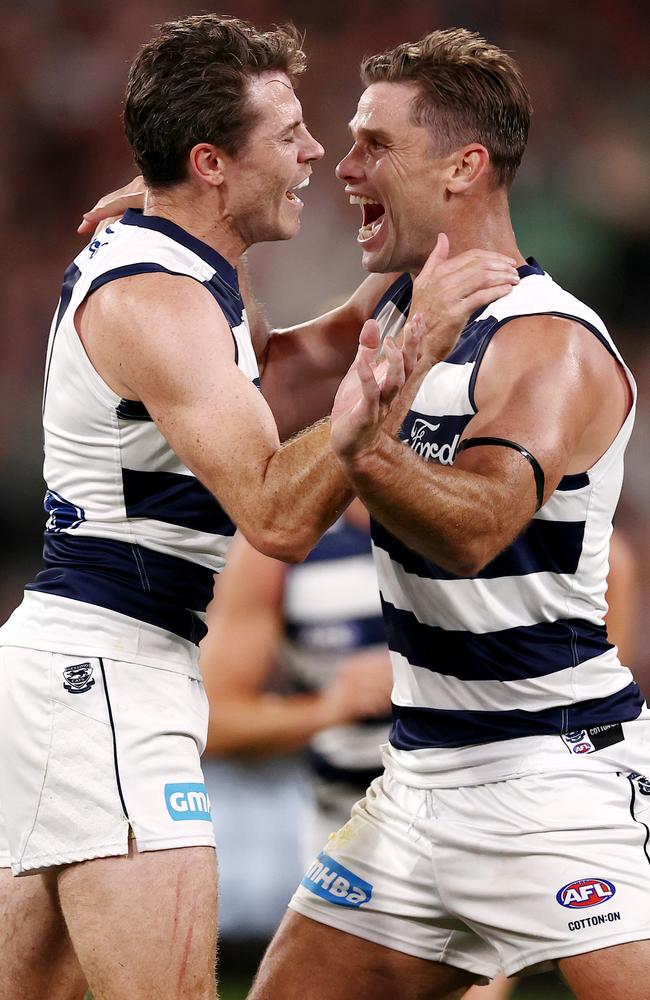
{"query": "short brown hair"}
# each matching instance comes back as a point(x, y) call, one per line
point(189, 85)
point(469, 91)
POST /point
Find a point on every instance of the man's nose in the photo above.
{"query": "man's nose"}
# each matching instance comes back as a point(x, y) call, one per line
point(350, 169)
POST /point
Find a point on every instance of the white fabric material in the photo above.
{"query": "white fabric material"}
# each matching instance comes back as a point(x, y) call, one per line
point(65, 757)
point(501, 852)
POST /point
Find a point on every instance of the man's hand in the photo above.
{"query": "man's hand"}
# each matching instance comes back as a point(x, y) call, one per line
point(361, 687)
point(449, 289)
point(112, 206)
point(365, 395)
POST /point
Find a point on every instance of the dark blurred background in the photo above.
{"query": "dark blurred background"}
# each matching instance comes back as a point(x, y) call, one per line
point(581, 202)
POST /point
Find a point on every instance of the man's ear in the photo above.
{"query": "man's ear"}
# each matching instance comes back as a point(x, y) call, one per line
point(206, 162)
point(469, 163)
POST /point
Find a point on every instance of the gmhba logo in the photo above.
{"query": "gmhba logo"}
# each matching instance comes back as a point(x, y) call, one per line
point(187, 800)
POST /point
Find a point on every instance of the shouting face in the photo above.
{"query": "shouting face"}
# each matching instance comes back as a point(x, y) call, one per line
point(393, 174)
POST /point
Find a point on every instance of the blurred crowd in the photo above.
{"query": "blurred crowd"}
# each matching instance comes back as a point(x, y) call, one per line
point(581, 202)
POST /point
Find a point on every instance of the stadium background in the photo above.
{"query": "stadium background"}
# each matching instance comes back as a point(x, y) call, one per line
point(581, 206)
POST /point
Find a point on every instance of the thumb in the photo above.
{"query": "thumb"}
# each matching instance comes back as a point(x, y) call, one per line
point(440, 251)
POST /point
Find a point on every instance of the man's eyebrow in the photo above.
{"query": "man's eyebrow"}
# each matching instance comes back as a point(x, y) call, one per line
point(367, 133)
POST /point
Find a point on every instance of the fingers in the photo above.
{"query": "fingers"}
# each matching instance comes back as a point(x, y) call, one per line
point(394, 372)
point(113, 205)
point(370, 335)
point(413, 333)
point(484, 296)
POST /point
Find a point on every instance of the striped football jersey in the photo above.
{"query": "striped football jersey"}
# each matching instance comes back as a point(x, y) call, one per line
point(132, 538)
point(520, 650)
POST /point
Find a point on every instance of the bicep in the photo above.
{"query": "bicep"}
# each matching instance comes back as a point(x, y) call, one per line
point(532, 390)
point(176, 352)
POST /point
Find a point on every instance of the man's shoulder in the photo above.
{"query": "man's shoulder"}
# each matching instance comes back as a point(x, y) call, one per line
point(537, 294)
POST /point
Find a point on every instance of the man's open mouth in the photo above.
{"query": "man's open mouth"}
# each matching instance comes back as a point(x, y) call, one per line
point(372, 213)
point(291, 196)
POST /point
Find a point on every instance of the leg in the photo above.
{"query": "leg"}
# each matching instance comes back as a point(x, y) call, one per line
point(307, 958)
point(499, 989)
point(144, 926)
point(38, 959)
point(618, 973)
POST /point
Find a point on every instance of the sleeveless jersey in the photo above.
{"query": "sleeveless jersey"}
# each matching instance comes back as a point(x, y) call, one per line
point(519, 651)
point(132, 538)
point(332, 609)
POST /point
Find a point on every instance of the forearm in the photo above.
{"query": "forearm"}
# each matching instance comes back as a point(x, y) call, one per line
point(304, 490)
point(263, 724)
point(458, 519)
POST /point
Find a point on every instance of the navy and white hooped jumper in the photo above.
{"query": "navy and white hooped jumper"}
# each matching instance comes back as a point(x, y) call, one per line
point(132, 538)
point(520, 651)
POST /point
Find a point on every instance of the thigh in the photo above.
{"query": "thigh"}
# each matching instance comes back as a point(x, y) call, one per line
point(144, 926)
point(38, 959)
point(618, 973)
point(377, 878)
point(311, 959)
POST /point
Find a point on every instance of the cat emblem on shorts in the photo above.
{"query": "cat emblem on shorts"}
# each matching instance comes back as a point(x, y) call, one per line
point(78, 678)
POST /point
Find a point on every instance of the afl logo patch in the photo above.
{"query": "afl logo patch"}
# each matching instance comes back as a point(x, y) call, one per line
point(78, 678)
point(585, 892)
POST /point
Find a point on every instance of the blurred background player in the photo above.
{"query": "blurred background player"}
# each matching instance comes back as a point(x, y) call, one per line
point(317, 624)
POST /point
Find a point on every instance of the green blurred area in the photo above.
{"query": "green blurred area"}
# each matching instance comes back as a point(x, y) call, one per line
point(546, 987)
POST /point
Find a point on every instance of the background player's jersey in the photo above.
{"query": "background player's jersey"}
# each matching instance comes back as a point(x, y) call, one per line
point(520, 650)
point(132, 538)
point(332, 609)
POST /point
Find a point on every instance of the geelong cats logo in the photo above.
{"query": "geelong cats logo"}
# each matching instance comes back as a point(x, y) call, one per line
point(78, 678)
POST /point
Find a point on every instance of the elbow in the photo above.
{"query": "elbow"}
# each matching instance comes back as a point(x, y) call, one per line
point(468, 558)
point(285, 545)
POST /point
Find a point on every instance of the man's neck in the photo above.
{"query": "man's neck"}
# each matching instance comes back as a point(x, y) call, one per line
point(198, 216)
point(483, 223)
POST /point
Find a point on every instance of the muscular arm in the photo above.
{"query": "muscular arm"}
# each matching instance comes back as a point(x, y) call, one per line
point(245, 623)
point(162, 339)
point(547, 384)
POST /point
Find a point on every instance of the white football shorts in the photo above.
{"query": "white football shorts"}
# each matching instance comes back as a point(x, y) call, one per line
point(93, 751)
point(501, 876)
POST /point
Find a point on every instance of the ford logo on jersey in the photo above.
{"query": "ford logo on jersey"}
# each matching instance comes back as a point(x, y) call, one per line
point(332, 881)
point(585, 892)
point(187, 801)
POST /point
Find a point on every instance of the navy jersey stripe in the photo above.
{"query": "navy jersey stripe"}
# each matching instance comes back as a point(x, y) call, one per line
point(344, 543)
point(508, 655)
point(330, 773)
point(544, 547)
point(141, 583)
point(174, 499)
point(226, 272)
point(230, 304)
point(132, 409)
point(422, 728)
point(128, 271)
point(399, 294)
point(338, 634)
point(70, 279)
point(577, 481)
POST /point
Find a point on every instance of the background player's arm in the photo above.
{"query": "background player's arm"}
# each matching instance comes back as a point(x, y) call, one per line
point(547, 384)
point(622, 597)
point(163, 339)
point(238, 655)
